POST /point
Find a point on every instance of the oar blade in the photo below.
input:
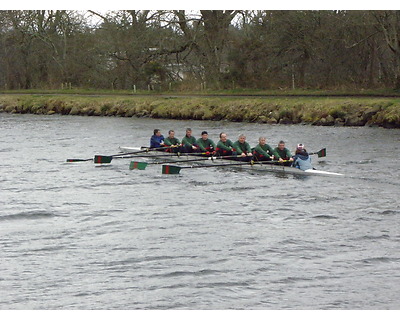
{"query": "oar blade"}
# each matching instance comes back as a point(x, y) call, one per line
point(168, 169)
point(321, 153)
point(102, 159)
point(137, 165)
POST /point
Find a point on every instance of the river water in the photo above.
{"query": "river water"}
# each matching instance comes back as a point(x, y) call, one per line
point(78, 236)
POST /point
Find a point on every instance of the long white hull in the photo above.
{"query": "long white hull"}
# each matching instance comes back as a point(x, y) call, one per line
point(256, 166)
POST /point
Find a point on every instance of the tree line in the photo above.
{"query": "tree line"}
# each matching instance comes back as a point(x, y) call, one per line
point(206, 49)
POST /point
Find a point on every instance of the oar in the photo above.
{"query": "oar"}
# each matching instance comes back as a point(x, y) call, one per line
point(169, 154)
point(142, 165)
point(321, 153)
point(107, 159)
point(79, 160)
point(168, 169)
point(96, 159)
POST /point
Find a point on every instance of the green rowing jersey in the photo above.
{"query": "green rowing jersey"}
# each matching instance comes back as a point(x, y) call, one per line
point(205, 144)
point(227, 146)
point(242, 147)
point(188, 141)
point(266, 150)
point(171, 141)
point(284, 154)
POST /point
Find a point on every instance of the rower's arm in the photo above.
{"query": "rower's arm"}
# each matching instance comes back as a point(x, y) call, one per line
point(238, 148)
point(186, 142)
point(222, 146)
point(273, 152)
point(261, 151)
point(294, 163)
point(212, 144)
point(168, 142)
point(200, 144)
point(248, 148)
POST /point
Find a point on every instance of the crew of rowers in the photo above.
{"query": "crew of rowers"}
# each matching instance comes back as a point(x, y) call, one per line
point(239, 150)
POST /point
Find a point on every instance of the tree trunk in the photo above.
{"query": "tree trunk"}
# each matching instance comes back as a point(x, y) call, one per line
point(389, 21)
point(216, 27)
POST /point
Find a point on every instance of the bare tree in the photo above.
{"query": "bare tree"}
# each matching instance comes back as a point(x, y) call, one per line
point(389, 23)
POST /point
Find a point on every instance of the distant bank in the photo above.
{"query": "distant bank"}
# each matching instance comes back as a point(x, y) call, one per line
point(340, 110)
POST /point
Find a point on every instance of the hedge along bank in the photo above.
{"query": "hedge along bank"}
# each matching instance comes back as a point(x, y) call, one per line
point(329, 111)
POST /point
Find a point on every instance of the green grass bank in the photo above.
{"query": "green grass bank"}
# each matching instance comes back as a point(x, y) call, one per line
point(315, 110)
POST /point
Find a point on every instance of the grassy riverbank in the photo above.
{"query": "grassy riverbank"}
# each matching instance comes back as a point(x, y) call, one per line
point(208, 92)
point(309, 109)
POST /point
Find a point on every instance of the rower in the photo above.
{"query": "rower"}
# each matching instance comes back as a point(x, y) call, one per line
point(264, 152)
point(283, 152)
point(206, 145)
point(157, 140)
point(243, 148)
point(302, 159)
point(224, 145)
point(172, 141)
point(189, 142)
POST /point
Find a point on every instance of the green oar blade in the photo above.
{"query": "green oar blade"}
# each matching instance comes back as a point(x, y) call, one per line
point(168, 169)
point(322, 153)
point(102, 159)
point(138, 165)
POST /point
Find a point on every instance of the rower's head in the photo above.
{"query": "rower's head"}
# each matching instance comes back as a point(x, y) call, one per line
point(204, 135)
point(281, 145)
point(157, 132)
point(300, 149)
point(223, 137)
point(188, 132)
point(171, 134)
point(262, 140)
point(242, 138)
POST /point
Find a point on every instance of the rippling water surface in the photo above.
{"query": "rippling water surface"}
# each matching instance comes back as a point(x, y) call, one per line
point(77, 236)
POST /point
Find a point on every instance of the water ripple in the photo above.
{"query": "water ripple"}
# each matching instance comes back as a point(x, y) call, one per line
point(77, 236)
point(35, 214)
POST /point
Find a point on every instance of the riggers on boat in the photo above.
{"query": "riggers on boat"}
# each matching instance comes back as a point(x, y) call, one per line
point(273, 166)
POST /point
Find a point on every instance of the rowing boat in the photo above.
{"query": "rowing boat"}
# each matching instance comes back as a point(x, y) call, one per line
point(265, 166)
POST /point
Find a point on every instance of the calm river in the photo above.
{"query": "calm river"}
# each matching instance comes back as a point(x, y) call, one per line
point(77, 236)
